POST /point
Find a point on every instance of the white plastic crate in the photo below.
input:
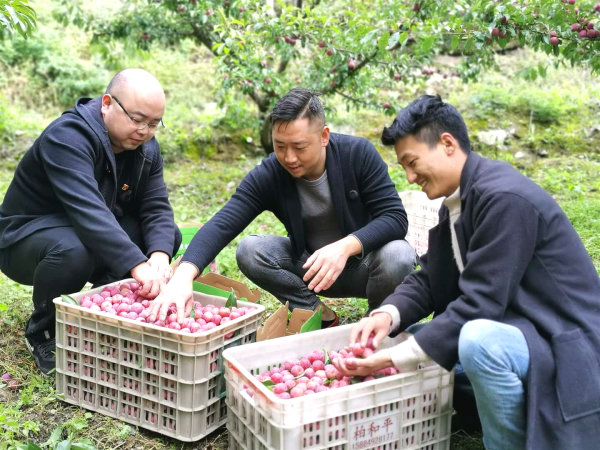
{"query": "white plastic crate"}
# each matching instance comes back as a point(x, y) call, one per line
point(422, 216)
point(160, 379)
point(405, 411)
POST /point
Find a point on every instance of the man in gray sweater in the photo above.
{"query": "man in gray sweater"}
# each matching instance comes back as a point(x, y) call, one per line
point(344, 219)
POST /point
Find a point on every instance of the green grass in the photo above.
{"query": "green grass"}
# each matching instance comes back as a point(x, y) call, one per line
point(198, 189)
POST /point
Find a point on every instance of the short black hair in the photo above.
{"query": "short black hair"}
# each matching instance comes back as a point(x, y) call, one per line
point(299, 103)
point(426, 118)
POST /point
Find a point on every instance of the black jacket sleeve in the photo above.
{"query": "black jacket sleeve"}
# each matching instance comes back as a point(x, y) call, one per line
point(246, 203)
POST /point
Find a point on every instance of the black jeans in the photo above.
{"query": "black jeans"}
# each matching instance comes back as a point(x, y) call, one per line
point(55, 261)
point(269, 262)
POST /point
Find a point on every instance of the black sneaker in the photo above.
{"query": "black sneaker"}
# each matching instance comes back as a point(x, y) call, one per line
point(43, 354)
point(330, 323)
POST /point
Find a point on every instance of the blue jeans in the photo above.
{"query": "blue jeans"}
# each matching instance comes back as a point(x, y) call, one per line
point(495, 358)
point(270, 263)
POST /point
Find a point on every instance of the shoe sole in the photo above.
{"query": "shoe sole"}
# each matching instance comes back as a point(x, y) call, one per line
point(335, 323)
point(30, 349)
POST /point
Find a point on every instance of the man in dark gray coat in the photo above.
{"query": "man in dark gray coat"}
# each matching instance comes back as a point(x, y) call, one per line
point(514, 293)
point(88, 203)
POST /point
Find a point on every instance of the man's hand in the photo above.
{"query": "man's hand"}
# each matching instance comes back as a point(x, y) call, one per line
point(148, 278)
point(377, 325)
point(325, 265)
point(160, 261)
point(363, 367)
point(177, 292)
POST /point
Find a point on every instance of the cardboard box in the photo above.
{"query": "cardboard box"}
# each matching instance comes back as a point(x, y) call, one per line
point(300, 321)
point(226, 285)
point(221, 286)
point(188, 230)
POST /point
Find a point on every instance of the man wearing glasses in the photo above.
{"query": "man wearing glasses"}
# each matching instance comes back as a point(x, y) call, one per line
point(88, 203)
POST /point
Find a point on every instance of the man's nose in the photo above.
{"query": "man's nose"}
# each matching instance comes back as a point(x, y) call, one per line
point(290, 156)
point(411, 176)
point(143, 131)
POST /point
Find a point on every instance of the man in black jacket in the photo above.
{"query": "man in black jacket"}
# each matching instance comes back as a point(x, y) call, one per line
point(514, 293)
point(88, 203)
point(344, 218)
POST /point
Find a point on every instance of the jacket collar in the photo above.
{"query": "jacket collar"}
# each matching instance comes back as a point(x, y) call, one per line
point(336, 181)
point(90, 110)
point(467, 177)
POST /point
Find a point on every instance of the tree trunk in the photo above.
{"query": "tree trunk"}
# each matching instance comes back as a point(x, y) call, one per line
point(266, 139)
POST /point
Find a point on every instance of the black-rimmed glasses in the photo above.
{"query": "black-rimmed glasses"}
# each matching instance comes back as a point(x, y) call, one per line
point(139, 124)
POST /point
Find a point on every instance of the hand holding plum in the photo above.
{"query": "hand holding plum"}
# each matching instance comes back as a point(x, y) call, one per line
point(178, 291)
point(148, 278)
point(368, 363)
point(370, 331)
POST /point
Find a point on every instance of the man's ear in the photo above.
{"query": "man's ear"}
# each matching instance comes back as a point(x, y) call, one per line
point(106, 101)
point(325, 136)
point(450, 143)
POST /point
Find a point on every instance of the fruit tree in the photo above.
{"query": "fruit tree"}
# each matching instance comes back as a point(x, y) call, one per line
point(16, 15)
point(354, 48)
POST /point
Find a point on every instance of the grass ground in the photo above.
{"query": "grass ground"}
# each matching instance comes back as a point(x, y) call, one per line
point(198, 189)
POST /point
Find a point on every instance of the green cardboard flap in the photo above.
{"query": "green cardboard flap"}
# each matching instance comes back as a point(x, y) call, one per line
point(210, 290)
point(187, 234)
point(312, 324)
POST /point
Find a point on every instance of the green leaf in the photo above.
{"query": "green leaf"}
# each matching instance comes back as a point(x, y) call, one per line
point(369, 37)
point(393, 40)
point(427, 44)
point(469, 45)
point(327, 358)
point(454, 43)
point(124, 432)
point(542, 70)
point(28, 446)
point(54, 437)
point(3, 307)
point(383, 41)
point(83, 445)
point(68, 299)
point(231, 300)
point(356, 379)
point(268, 384)
point(403, 37)
point(64, 445)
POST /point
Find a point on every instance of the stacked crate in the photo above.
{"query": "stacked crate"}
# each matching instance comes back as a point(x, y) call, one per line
point(160, 379)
